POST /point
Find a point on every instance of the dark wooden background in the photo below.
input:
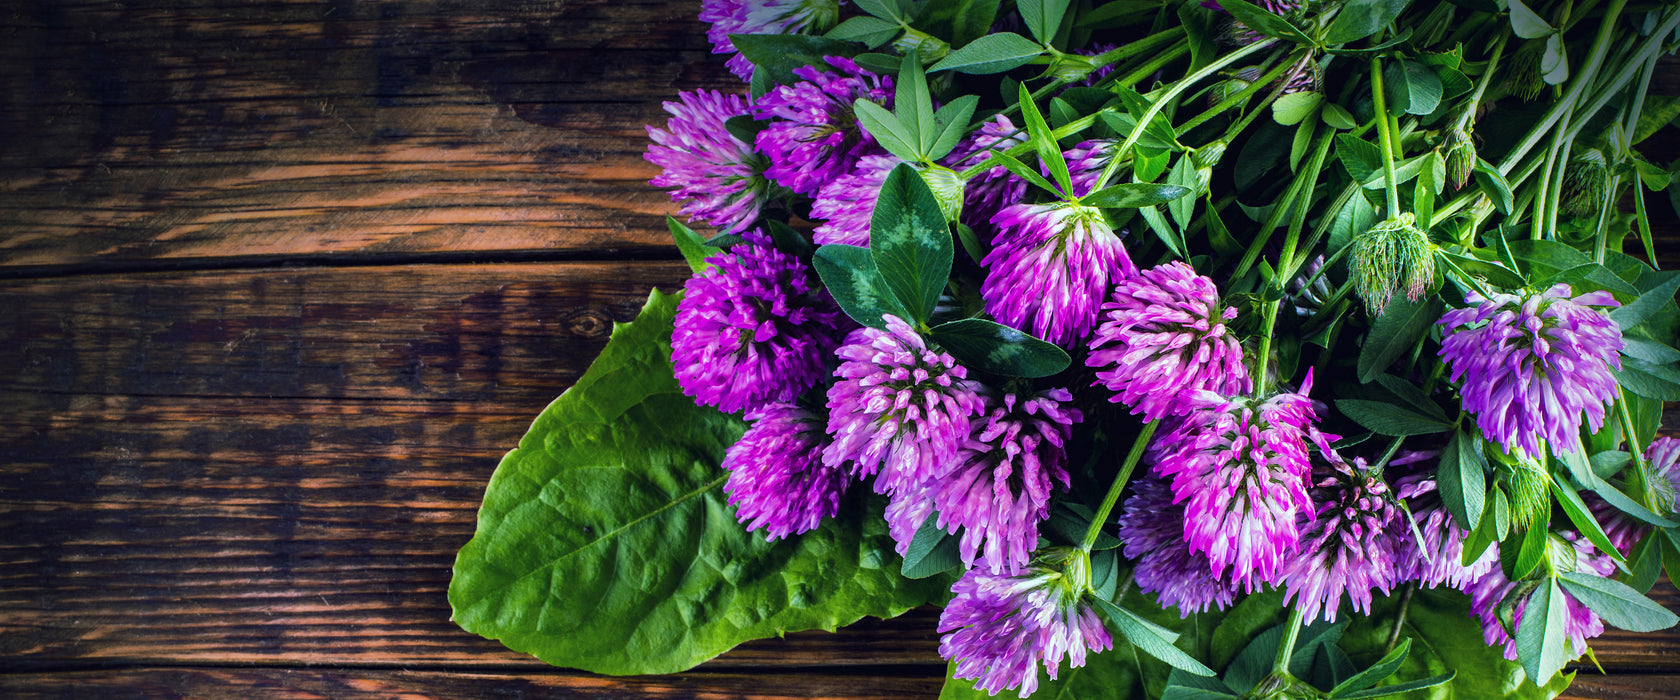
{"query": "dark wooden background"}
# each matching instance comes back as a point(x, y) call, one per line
point(280, 281)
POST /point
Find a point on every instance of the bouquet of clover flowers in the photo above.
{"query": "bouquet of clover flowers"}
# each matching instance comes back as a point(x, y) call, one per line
point(1267, 350)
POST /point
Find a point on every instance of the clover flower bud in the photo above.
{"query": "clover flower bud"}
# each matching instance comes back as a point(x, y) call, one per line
point(1585, 183)
point(947, 187)
point(1460, 154)
point(1209, 155)
point(1522, 77)
point(1071, 67)
point(926, 47)
point(1530, 499)
point(1235, 83)
point(1392, 253)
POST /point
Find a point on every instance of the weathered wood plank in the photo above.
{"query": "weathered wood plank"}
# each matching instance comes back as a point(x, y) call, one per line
point(507, 333)
point(151, 131)
point(304, 683)
point(277, 466)
point(896, 683)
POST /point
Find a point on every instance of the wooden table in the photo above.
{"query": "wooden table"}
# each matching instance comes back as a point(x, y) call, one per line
point(280, 281)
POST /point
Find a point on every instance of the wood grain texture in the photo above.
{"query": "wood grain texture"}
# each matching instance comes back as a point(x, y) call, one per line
point(277, 466)
point(318, 684)
point(166, 131)
point(280, 281)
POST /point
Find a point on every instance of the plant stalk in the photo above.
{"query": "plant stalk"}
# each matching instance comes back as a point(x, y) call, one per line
point(1119, 484)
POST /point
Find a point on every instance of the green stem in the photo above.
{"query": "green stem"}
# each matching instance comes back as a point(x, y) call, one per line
point(1399, 618)
point(1155, 64)
point(1384, 138)
point(1292, 632)
point(1636, 450)
point(1604, 214)
point(1178, 88)
point(1119, 485)
point(1235, 99)
point(1137, 47)
point(1262, 358)
point(1601, 44)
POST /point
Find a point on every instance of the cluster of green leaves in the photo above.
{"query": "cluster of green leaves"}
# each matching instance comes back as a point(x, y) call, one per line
point(606, 543)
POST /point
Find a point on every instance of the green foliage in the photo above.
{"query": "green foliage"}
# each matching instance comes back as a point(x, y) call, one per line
point(993, 347)
point(606, 543)
point(910, 243)
point(851, 278)
point(1445, 639)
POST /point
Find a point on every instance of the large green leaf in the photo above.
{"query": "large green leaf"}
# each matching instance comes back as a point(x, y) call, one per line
point(1444, 639)
point(849, 273)
point(606, 542)
point(996, 348)
point(1395, 333)
point(910, 242)
point(958, 21)
point(1362, 18)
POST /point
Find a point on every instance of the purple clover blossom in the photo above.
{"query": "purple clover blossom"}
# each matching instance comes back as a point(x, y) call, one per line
point(1164, 337)
point(1580, 622)
point(777, 480)
point(718, 178)
point(1152, 529)
point(990, 191)
point(897, 407)
point(999, 629)
point(1240, 468)
point(1049, 267)
point(998, 488)
point(1351, 547)
point(907, 508)
point(1097, 74)
point(1086, 162)
point(813, 137)
point(1439, 562)
point(1240, 33)
point(1624, 531)
point(762, 17)
point(1531, 366)
point(757, 329)
point(848, 202)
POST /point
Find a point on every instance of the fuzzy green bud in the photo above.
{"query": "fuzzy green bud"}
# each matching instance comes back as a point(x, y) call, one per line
point(1561, 554)
point(1208, 156)
point(1585, 183)
point(1071, 67)
point(1234, 83)
point(947, 188)
point(1460, 155)
point(1392, 254)
point(1531, 501)
point(1522, 72)
point(927, 47)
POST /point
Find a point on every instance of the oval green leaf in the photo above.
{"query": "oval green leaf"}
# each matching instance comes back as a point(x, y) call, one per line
point(606, 542)
point(993, 347)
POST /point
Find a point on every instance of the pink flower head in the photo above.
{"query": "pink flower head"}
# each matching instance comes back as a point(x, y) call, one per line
point(718, 178)
point(757, 328)
point(897, 407)
point(813, 137)
point(998, 488)
point(1240, 467)
point(1152, 529)
point(1532, 366)
point(777, 480)
point(1163, 338)
point(1049, 268)
point(1350, 548)
point(999, 629)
